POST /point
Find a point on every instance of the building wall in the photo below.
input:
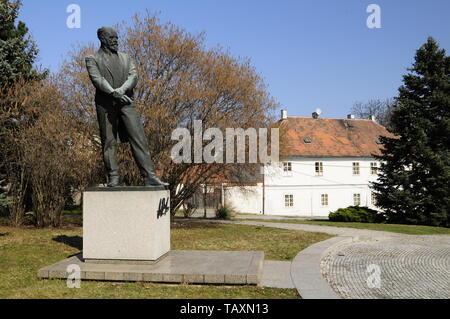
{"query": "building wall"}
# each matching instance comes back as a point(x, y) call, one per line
point(337, 181)
point(245, 199)
point(307, 200)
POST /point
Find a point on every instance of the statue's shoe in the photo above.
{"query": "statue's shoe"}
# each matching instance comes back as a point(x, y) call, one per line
point(154, 181)
point(113, 181)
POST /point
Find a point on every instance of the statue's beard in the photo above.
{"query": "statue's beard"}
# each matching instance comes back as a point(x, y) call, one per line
point(113, 48)
point(110, 47)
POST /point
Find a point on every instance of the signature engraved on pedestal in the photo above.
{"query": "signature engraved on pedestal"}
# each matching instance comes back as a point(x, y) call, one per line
point(163, 207)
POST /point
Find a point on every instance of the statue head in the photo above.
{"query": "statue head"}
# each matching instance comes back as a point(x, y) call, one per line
point(108, 38)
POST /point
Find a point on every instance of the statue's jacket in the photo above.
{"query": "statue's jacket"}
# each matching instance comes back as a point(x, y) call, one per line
point(108, 74)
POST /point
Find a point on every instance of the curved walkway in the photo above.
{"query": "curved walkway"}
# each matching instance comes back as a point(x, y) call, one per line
point(339, 231)
point(306, 271)
point(362, 263)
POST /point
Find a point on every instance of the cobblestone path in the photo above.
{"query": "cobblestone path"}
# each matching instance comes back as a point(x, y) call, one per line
point(407, 267)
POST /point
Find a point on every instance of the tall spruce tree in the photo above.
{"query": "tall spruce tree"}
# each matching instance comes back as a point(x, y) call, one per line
point(17, 49)
point(414, 181)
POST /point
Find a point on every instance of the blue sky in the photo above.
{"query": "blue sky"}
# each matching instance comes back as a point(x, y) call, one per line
point(312, 54)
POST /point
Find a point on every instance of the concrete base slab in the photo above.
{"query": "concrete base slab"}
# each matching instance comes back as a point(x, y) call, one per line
point(127, 262)
point(277, 274)
point(178, 266)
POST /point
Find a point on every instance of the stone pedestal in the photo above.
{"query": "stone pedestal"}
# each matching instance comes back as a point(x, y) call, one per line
point(126, 224)
point(126, 237)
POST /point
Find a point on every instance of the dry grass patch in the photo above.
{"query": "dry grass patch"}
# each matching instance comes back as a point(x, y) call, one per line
point(278, 244)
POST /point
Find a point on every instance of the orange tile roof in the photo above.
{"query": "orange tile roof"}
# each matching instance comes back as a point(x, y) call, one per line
point(331, 137)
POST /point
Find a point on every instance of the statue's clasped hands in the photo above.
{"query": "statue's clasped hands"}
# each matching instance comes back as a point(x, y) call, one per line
point(122, 98)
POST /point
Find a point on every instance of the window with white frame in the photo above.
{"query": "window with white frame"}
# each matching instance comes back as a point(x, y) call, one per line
point(289, 200)
point(355, 168)
point(374, 168)
point(356, 199)
point(287, 167)
point(373, 199)
point(319, 169)
point(324, 199)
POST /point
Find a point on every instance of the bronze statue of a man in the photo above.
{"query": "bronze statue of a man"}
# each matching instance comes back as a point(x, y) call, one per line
point(114, 76)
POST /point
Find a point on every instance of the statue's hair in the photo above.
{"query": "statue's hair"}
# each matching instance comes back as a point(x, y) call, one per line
point(103, 30)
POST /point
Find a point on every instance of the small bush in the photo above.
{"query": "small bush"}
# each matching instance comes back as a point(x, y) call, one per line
point(224, 212)
point(357, 214)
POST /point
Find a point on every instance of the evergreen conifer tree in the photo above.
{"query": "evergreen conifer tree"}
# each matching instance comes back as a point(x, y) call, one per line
point(17, 49)
point(414, 182)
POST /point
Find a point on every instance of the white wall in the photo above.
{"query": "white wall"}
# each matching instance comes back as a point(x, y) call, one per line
point(245, 199)
point(335, 171)
point(338, 182)
point(307, 199)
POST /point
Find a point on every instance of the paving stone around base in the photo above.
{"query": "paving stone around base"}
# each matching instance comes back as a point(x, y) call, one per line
point(412, 267)
point(178, 266)
point(409, 266)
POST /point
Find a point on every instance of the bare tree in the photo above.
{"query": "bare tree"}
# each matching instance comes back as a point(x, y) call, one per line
point(381, 109)
point(45, 152)
point(180, 82)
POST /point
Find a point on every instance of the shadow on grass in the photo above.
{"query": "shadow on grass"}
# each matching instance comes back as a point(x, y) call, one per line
point(4, 234)
point(72, 241)
point(77, 241)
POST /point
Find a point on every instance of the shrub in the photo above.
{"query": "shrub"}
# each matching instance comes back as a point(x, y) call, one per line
point(224, 212)
point(357, 214)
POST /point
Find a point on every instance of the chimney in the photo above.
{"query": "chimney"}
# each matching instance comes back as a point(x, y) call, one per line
point(351, 116)
point(373, 118)
point(316, 113)
point(284, 115)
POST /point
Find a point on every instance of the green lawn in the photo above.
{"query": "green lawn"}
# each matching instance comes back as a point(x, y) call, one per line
point(402, 229)
point(278, 244)
point(23, 251)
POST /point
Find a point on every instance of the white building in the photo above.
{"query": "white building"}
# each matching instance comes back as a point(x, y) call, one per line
point(326, 164)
